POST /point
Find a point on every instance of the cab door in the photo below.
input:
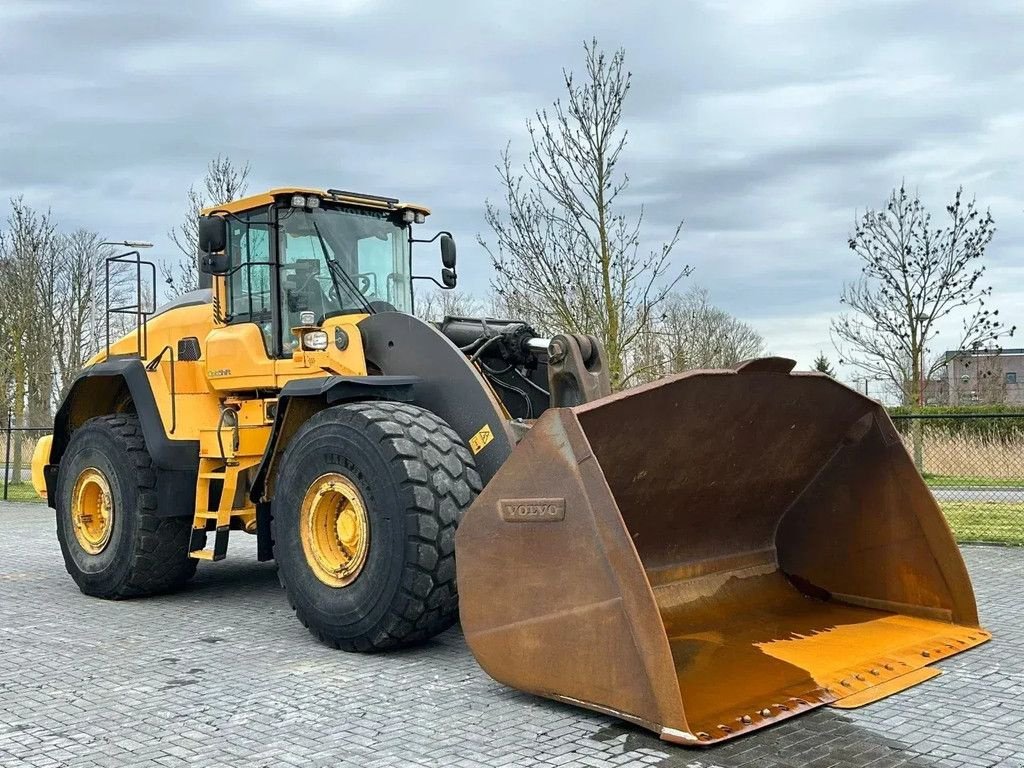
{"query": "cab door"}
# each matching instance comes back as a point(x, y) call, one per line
point(241, 353)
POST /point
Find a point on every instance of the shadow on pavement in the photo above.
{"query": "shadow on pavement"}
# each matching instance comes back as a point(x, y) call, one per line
point(822, 737)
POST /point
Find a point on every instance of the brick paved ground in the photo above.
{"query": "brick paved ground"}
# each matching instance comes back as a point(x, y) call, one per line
point(222, 674)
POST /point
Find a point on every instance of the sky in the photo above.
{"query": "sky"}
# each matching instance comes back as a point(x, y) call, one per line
point(765, 126)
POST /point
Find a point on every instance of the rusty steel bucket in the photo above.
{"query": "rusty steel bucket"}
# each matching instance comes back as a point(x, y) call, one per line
point(712, 553)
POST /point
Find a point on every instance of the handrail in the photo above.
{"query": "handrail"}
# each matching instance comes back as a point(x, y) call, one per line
point(141, 315)
point(151, 366)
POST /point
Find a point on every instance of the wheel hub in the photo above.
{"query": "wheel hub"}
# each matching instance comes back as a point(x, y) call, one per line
point(92, 511)
point(335, 529)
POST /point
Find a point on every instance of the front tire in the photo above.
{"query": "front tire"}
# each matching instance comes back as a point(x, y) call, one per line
point(114, 543)
point(364, 516)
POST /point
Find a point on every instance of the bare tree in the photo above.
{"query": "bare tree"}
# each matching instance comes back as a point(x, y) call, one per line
point(509, 306)
point(49, 325)
point(224, 181)
point(436, 305)
point(52, 294)
point(690, 333)
point(80, 313)
point(9, 312)
point(28, 279)
point(566, 256)
point(913, 276)
point(699, 335)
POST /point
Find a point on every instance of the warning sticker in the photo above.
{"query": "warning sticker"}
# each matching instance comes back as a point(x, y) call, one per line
point(480, 440)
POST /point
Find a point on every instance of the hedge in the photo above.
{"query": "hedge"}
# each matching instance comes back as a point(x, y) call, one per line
point(966, 420)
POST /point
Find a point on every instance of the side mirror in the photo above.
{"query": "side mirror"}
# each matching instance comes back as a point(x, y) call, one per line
point(448, 252)
point(448, 277)
point(213, 234)
point(214, 263)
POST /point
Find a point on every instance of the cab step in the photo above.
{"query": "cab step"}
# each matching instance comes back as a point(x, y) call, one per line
point(221, 516)
point(220, 544)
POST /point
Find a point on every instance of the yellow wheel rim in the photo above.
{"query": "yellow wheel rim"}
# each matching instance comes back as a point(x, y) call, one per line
point(92, 511)
point(335, 530)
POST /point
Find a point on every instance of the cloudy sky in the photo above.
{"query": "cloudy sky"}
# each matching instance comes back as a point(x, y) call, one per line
point(764, 125)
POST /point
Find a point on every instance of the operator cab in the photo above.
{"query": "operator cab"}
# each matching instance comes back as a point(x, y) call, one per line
point(295, 257)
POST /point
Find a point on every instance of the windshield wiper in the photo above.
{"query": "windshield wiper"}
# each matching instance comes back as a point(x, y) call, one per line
point(338, 272)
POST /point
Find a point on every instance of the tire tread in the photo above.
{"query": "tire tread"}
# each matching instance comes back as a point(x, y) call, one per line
point(159, 552)
point(441, 480)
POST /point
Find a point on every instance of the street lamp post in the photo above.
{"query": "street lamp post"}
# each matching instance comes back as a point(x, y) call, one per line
point(866, 380)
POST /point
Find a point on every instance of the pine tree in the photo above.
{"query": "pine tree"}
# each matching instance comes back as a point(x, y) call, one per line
point(822, 364)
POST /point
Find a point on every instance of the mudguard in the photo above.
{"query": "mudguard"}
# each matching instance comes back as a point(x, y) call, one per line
point(450, 386)
point(97, 391)
point(301, 398)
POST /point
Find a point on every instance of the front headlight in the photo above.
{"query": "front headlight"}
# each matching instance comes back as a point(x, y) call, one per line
point(314, 340)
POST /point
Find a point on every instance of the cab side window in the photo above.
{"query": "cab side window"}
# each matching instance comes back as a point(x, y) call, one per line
point(249, 287)
point(381, 270)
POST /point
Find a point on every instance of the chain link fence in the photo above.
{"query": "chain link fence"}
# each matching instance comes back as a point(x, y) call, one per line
point(16, 447)
point(974, 465)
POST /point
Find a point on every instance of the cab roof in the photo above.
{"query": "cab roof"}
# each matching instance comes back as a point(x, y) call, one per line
point(330, 195)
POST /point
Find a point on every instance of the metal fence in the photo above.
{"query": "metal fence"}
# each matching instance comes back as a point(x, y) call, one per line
point(17, 444)
point(974, 465)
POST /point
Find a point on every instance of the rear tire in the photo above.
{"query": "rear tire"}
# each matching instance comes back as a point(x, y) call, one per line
point(412, 478)
point(137, 553)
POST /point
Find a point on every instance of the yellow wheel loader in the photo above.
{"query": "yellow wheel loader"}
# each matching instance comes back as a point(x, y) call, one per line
point(702, 556)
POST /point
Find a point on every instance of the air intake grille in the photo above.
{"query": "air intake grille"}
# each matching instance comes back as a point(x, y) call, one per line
point(188, 349)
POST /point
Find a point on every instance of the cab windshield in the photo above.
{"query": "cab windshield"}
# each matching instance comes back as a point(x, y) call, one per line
point(337, 261)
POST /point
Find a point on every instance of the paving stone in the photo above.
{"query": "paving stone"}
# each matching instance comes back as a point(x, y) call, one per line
point(221, 674)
